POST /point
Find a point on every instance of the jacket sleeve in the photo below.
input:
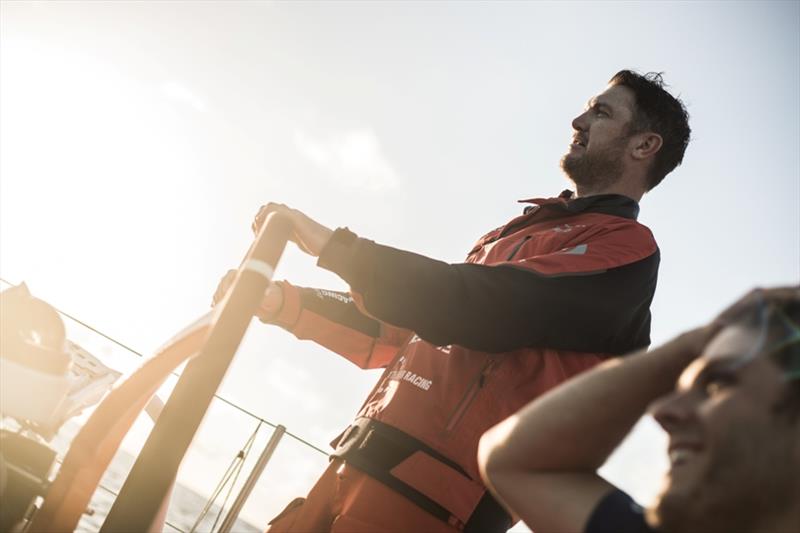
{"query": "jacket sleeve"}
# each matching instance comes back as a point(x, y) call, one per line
point(332, 319)
point(594, 298)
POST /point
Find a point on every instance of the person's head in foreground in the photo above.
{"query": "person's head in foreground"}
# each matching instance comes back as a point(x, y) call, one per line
point(728, 396)
point(628, 138)
point(734, 429)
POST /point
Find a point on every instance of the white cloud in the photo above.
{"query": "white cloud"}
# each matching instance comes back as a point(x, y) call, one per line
point(180, 93)
point(352, 158)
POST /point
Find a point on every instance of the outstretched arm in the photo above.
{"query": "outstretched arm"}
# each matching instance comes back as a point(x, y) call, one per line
point(594, 301)
point(542, 462)
point(329, 318)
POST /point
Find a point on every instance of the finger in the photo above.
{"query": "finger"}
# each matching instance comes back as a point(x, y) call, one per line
point(223, 286)
point(218, 294)
point(740, 306)
point(263, 212)
point(757, 297)
point(258, 220)
point(694, 340)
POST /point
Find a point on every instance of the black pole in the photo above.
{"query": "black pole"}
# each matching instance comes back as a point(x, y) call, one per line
point(157, 465)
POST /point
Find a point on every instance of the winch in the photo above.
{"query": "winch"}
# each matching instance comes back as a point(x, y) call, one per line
point(45, 379)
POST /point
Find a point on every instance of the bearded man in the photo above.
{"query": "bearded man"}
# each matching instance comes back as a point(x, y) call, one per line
point(547, 295)
point(728, 396)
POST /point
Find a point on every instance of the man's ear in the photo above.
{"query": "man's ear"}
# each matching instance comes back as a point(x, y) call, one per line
point(646, 145)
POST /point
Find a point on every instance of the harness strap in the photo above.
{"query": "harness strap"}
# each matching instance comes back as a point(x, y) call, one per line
point(377, 449)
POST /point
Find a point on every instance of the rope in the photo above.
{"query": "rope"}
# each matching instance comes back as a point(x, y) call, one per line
point(233, 470)
point(217, 396)
point(248, 447)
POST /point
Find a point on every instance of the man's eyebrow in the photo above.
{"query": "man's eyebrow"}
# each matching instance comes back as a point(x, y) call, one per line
point(727, 364)
point(596, 102)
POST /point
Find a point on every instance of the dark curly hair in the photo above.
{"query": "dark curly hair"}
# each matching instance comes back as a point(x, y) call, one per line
point(781, 324)
point(787, 356)
point(660, 112)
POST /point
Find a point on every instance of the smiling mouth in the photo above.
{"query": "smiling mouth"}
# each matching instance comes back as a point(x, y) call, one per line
point(575, 147)
point(576, 141)
point(679, 455)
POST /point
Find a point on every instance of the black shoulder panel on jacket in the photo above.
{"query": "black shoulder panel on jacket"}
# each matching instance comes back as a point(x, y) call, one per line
point(501, 308)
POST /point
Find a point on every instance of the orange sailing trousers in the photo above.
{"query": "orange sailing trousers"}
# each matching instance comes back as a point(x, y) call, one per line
point(344, 499)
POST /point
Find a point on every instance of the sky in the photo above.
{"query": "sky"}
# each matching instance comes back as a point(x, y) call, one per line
point(138, 140)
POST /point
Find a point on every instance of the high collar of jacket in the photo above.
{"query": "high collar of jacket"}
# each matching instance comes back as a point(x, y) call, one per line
point(610, 204)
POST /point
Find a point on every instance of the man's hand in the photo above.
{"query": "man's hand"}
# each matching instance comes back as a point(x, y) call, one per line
point(756, 297)
point(689, 345)
point(308, 234)
point(271, 303)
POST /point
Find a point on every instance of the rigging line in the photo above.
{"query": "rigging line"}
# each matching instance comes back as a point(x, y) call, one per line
point(235, 466)
point(217, 396)
point(211, 499)
point(246, 452)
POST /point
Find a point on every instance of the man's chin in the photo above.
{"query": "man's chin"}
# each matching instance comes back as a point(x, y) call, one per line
point(572, 168)
point(568, 160)
point(664, 514)
point(672, 508)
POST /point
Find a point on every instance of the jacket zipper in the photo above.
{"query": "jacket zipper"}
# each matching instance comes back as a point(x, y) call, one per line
point(517, 247)
point(472, 391)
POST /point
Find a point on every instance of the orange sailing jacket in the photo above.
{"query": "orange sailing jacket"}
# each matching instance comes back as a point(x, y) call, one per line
point(466, 345)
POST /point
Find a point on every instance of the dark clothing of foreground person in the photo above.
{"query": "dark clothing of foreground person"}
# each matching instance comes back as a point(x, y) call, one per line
point(733, 421)
point(538, 300)
point(617, 513)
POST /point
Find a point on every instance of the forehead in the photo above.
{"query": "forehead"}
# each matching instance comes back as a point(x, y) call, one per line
point(736, 349)
point(733, 342)
point(618, 97)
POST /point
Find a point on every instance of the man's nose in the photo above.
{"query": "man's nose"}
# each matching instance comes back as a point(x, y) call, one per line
point(580, 123)
point(672, 410)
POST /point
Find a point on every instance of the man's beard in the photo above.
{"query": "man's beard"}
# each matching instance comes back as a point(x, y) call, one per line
point(744, 484)
point(597, 170)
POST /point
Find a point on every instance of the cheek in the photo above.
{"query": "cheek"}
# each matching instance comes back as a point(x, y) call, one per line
point(717, 416)
point(601, 135)
point(732, 427)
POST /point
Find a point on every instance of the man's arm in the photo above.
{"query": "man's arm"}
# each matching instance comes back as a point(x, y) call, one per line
point(593, 302)
point(333, 320)
point(329, 318)
point(542, 462)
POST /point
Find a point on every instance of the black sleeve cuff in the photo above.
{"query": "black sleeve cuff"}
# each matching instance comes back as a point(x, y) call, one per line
point(339, 254)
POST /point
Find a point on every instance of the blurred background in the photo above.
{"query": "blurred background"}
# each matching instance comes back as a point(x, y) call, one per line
point(138, 140)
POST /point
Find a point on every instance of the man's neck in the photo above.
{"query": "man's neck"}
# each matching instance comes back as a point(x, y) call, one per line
point(623, 188)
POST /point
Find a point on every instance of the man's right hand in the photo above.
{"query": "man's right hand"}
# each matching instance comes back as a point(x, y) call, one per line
point(756, 297)
point(271, 303)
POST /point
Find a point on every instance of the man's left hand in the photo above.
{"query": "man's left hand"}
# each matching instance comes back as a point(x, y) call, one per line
point(309, 235)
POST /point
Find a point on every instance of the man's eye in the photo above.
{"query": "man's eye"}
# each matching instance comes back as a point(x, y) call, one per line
point(716, 384)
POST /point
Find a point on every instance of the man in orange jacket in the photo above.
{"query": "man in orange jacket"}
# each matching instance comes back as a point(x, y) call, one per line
point(549, 294)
